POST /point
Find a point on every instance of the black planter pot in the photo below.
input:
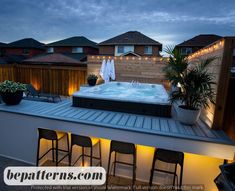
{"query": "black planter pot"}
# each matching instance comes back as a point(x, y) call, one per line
point(12, 98)
point(92, 82)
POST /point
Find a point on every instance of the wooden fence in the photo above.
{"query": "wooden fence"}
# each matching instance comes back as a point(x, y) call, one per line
point(147, 70)
point(223, 52)
point(62, 80)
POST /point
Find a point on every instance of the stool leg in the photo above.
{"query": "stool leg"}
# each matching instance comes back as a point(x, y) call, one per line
point(114, 166)
point(68, 148)
point(107, 177)
point(70, 155)
point(82, 156)
point(38, 150)
point(53, 150)
point(134, 171)
point(100, 153)
point(91, 156)
point(174, 176)
point(181, 177)
point(56, 155)
point(152, 171)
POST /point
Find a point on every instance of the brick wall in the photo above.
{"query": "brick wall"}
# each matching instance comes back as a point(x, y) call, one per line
point(86, 50)
point(110, 50)
point(107, 50)
point(19, 51)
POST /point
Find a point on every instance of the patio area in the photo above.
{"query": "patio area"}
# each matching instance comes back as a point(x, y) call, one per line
point(200, 144)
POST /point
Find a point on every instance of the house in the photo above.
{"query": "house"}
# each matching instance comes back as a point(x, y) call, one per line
point(2, 48)
point(27, 47)
point(132, 42)
point(73, 45)
point(194, 44)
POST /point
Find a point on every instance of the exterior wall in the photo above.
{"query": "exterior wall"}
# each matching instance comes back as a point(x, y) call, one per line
point(132, 68)
point(86, 50)
point(19, 51)
point(107, 50)
point(140, 50)
point(110, 50)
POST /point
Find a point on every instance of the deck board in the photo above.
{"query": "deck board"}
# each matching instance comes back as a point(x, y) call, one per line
point(125, 121)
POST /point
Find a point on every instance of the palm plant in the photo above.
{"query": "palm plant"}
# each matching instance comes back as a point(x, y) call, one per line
point(196, 87)
point(196, 83)
point(176, 66)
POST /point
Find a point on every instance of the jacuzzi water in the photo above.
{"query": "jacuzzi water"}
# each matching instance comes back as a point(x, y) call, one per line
point(125, 91)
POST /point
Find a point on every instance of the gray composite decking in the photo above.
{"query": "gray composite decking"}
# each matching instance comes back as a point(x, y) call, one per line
point(123, 121)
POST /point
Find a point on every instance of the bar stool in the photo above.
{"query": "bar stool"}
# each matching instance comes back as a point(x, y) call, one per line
point(54, 136)
point(85, 142)
point(122, 148)
point(172, 157)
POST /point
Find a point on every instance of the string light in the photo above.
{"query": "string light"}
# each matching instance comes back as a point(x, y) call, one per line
point(206, 50)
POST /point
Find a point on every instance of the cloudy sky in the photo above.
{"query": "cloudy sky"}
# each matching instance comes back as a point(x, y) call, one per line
point(167, 21)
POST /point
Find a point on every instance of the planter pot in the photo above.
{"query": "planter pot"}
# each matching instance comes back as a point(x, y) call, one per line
point(187, 116)
point(12, 98)
point(92, 82)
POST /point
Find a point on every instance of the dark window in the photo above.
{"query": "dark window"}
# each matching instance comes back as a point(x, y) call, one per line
point(148, 50)
point(25, 51)
point(186, 51)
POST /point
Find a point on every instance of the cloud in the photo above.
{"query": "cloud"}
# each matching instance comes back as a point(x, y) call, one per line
point(168, 22)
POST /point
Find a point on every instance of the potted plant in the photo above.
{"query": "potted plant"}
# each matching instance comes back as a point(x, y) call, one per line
point(175, 67)
point(192, 86)
point(12, 92)
point(196, 91)
point(92, 79)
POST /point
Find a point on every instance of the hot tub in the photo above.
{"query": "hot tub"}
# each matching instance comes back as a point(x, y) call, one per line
point(139, 98)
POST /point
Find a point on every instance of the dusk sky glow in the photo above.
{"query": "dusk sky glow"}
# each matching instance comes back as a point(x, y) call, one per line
point(169, 22)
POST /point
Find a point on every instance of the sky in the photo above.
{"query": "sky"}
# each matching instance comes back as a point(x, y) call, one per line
point(167, 21)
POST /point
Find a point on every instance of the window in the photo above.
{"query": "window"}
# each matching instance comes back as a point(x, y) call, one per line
point(25, 51)
point(120, 49)
point(148, 50)
point(186, 51)
point(77, 50)
point(234, 52)
point(123, 49)
point(50, 50)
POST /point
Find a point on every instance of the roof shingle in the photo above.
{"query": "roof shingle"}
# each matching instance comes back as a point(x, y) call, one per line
point(26, 43)
point(200, 40)
point(75, 42)
point(131, 38)
point(54, 58)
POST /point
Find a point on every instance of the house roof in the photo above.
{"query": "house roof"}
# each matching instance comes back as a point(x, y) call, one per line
point(200, 40)
point(55, 58)
point(10, 59)
point(2, 44)
point(131, 38)
point(26, 43)
point(75, 41)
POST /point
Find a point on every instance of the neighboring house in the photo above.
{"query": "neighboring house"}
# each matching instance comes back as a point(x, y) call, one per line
point(2, 49)
point(130, 43)
point(27, 47)
point(73, 45)
point(196, 43)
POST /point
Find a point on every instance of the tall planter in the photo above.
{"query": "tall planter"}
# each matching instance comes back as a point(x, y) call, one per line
point(12, 98)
